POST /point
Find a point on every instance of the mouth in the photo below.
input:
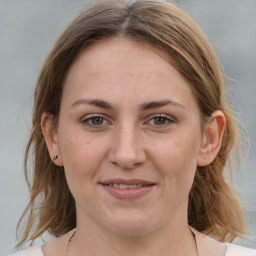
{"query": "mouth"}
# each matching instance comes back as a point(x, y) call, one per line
point(126, 186)
point(127, 189)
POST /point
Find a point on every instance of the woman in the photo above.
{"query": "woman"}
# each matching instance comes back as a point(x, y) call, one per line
point(134, 137)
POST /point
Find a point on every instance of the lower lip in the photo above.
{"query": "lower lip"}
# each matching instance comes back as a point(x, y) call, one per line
point(131, 193)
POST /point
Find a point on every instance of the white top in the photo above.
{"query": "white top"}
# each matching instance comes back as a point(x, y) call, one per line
point(235, 250)
point(33, 251)
point(232, 250)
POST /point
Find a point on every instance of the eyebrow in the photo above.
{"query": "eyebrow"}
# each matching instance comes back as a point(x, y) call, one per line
point(94, 102)
point(145, 106)
point(159, 104)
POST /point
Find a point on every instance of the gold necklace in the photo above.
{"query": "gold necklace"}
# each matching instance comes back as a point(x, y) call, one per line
point(71, 238)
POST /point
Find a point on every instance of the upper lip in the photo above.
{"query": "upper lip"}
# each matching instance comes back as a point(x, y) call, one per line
point(127, 182)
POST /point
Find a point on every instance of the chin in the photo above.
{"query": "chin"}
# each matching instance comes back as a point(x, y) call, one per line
point(132, 225)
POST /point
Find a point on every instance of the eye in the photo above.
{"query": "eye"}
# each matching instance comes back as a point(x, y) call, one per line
point(160, 120)
point(95, 121)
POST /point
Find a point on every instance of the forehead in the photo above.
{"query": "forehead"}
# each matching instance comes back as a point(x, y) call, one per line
point(122, 67)
point(122, 54)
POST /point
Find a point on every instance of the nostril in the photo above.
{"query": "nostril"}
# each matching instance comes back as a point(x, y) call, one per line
point(126, 166)
point(127, 155)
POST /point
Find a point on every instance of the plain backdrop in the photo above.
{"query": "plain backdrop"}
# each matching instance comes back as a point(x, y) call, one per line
point(28, 30)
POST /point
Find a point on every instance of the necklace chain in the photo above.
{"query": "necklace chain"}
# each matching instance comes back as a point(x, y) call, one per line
point(71, 238)
point(194, 236)
point(69, 242)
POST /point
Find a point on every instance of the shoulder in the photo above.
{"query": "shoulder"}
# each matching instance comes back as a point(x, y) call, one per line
point(210, 247)
point(55, 247)
point(33, 251)
point(236, 250)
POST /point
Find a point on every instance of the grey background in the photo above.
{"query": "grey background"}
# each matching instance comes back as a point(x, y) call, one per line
point(28, 30)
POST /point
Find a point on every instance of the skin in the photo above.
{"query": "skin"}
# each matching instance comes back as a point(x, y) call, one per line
point(163, 145)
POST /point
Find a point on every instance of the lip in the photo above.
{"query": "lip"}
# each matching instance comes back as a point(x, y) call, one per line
point(127, 182)
point(129, 193)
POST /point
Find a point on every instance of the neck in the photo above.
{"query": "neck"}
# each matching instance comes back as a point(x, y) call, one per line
point(175, 239)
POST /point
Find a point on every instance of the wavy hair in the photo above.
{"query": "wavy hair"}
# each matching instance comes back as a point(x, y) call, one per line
point(213, 207)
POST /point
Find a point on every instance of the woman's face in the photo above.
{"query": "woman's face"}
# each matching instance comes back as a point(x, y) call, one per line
point(129, 137)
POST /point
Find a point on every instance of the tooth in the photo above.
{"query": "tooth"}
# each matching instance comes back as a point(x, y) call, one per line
point(123, 186)
point(133, 186)
point(126, 186)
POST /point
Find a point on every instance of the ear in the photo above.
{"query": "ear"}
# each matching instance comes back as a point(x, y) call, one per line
point(212, 138)
point(51, 138)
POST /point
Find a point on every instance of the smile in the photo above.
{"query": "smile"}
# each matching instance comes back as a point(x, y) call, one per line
point(126, 186)
point(127, 189)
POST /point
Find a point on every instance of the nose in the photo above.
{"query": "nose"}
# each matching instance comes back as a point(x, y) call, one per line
point(127, 151)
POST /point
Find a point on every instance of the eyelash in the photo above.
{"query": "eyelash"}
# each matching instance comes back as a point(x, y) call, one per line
point(164, 117)
point(89, 119)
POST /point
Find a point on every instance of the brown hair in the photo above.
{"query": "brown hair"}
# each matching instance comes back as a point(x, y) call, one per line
point(213, 208)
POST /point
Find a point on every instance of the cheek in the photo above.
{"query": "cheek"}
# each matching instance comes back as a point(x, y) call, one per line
point(82, 159)
point(81, 155)
point(176, 159)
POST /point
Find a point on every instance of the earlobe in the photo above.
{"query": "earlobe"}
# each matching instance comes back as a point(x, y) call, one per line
point(212, 138)
point(51, 138)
